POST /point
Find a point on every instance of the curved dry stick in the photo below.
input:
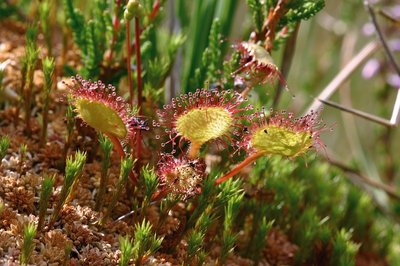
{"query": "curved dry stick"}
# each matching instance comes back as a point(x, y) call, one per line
point(381, 37)
point(343, 75)
point(388, 189)
point(329, 90)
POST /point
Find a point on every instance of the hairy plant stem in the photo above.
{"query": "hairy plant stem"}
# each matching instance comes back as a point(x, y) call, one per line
point(151, 17)
point(116, 25)
point(194, 150)
point(117, 145)
point(120, 150)
point(139, 90)
point(159, 195)
point(239, 167)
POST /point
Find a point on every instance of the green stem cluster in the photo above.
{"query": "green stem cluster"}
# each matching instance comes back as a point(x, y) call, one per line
point(28, 244)
point(73, 170)
point(4, 145)
point(145, 242)
point(47, 187)
point(106, 147)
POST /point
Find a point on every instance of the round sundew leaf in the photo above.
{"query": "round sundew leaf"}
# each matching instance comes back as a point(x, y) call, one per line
point(101, 117)
point(281, 141)
point(200, 125)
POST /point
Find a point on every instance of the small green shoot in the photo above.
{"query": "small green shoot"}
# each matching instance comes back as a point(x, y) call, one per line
point(22, 156)
point(106, 147)
point(150, 181)
point(344, 250)
point(194, 241)
point(67, 254)
point(47, 187)
point(259, 239)
point(73, 170)
point(126, 247)
point(203, 201)
point(28, 244)
point(146, 242)
point(228, 236)
point(196, 236)
point(4, 145)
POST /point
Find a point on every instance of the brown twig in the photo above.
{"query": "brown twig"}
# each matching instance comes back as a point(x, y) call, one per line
point(381, 37)
point(384, 14)
point(391, 191)
point(359, 113)
point(343, 75)
point(348, 70)
point(271, 23)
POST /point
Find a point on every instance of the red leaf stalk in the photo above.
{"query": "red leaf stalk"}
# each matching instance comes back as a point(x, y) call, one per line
point(139, 86)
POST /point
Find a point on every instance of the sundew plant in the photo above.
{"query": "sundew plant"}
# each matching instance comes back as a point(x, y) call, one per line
point(173, 132)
